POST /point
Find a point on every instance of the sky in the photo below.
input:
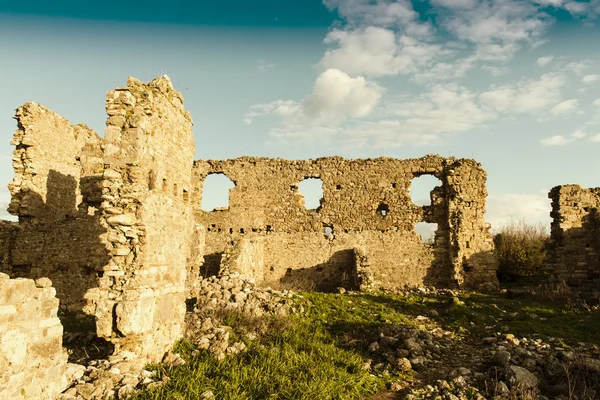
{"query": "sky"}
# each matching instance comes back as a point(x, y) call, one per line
point(514, 84)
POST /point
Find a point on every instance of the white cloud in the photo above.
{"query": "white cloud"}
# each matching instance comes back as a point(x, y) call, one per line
point(502, 23)
point(590, 78)
point(443, 109)
point(576, 8)
point(579, 67)
point(382, 13)
point(375, 51)
point(596, 103)
point(531, 208)
point(553, 3)
point(336, 94)
point(335, 97)
point(565, 108)
point(495, 71)
point(542, 61)
point(556, 140)
point(578, 135)
point(526, 95)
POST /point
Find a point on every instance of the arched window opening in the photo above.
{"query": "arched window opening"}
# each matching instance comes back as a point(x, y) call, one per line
point(215, 192)
point(421, 188)
point(312, 191)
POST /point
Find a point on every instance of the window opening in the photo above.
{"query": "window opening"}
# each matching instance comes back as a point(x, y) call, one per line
point(421, 188)
point(312, 191)
point(215, 192)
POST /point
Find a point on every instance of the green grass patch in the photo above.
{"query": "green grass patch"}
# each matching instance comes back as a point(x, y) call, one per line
point(527, 317)
point(320, 355)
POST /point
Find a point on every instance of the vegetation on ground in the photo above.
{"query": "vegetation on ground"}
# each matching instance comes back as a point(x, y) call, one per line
point(521, 250)
point(321, 355)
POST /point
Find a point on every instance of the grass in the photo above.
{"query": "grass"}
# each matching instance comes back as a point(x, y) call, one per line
point(520, 249)
point(320, 355)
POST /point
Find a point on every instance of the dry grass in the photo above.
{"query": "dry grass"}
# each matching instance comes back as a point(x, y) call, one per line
point(520, 248)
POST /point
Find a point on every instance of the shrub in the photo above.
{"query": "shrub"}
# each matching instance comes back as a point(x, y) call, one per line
point(520, 249)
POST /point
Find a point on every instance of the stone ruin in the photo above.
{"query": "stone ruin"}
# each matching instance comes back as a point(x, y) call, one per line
point(575, 236)
point(115, 224)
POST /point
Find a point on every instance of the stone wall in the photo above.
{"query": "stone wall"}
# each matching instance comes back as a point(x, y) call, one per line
point(32, 359)
point(146, 212)
point(366, 204)
point(54, 193)
point(575, 235)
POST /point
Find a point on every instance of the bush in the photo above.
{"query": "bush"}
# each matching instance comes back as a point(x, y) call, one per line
point(520, 249)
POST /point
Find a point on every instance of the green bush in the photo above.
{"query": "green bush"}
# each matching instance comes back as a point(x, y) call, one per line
point(520, 249)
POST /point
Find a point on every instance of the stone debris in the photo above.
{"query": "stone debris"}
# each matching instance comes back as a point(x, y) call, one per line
point(123, 374)
point(504, 368)
point(231, 291)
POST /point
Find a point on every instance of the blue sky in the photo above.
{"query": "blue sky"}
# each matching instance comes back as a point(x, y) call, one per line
point(514, 84)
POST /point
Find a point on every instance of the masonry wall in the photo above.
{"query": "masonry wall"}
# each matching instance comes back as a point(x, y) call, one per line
point(146, 212)
point(297, 253)
point(32, 360)
point(575, 234)
point(54, 193)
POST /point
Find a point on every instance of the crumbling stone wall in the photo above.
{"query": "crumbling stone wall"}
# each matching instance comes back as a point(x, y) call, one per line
point(146, 212)
point(575, 234)
point(54, 193)
point(266, 200)
point(109, 220)
point(32, 359)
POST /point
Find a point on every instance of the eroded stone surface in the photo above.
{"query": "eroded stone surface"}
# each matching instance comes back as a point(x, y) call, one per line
point(366, 204)
point(575, 235)
point(32, 360)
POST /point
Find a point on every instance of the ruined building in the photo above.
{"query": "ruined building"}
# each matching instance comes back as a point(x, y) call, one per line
point(575, 236)
point(115, 223)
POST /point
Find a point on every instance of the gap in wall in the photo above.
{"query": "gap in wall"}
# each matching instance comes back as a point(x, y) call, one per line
point(427, 231)
point(215, 192)
point(421, 187)
point(312, 191)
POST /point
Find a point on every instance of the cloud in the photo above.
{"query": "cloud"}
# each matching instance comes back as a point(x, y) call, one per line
point(264, 66)
point(525, 95)
point(495, 71)
point(590, 78)
point(542, 61)
point(502, 23)
point(556, 140)
point(596, 103)
point(579, 67)
point(587, 11)
point(335, 96)
point(443, 109)
point(578, 135)
point(531, 208)
point(565, 108)
point(375, 51)
point(380, 13)
point(337, 101)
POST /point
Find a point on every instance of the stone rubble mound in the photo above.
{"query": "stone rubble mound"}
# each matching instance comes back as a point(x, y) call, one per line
point(122, 375)
point(499, 367)
point(115, 378)
point(232, 292)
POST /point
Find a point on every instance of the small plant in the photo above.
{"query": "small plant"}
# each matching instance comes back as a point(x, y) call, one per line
point(520, 249)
